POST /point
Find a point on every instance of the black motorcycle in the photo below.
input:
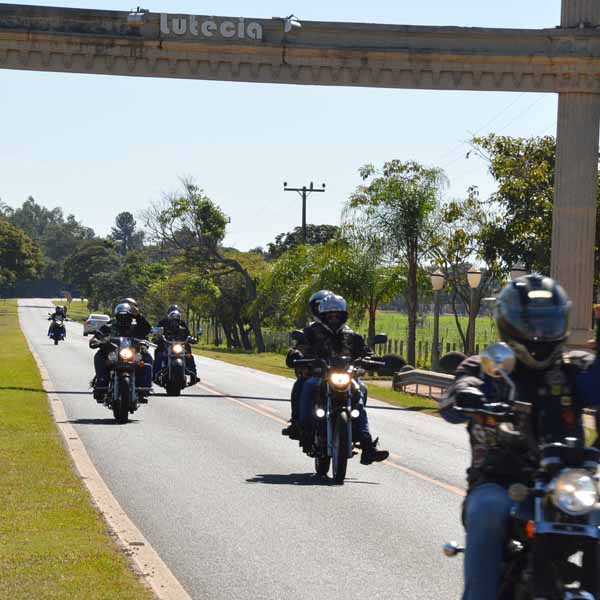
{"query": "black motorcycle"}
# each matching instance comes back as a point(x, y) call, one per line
point(552, 550)
point(174, 376)
point(330, 442)
point(123, 360)
point(57, 331)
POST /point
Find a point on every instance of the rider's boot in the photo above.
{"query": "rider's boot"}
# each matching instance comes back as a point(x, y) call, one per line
point(292, 431)
point(370, 454)
point(143, 394)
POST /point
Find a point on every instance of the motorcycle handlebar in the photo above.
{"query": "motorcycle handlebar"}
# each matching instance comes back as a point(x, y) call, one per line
point(499, 410)
point(365, 362)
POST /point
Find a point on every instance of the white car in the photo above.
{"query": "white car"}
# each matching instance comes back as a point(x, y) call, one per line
point(94, 322)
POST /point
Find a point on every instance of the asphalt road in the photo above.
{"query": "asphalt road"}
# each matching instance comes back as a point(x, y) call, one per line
point(233, 508)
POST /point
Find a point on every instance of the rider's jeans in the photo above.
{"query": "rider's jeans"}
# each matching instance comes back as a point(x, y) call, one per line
point(487, 511)
point(160, 355)
point(296, 393)
point(307, 397)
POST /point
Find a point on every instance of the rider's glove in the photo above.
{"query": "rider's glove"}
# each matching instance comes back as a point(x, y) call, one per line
point(292, 357)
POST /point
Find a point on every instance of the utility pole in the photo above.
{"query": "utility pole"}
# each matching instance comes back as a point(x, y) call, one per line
point(304, 193)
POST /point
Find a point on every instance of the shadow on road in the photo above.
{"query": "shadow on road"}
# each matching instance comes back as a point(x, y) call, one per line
point(186, 395)
point(107, 421)
point(400, 408)
point(300, 479)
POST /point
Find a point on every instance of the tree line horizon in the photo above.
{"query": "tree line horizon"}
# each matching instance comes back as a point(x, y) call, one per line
point(395, 229)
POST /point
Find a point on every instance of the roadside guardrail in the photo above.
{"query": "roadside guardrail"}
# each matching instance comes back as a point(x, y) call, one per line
point(421, 377)
point(431, 379)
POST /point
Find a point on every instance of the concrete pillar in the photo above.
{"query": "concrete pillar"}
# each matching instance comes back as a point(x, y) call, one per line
point(574, 216)
point(576, 186)
point(576, 12)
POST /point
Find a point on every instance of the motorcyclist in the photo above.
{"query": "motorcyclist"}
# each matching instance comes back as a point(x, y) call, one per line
point(174, 329)
point(293, 429)
point(324, 339)
point(122, 325)
point(59, 314)
point(532, 315)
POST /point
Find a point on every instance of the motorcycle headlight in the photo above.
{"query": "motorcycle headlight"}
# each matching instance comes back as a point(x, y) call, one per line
point(340, 380)
point(177, 348)
point(126, 354)
point(574, 492)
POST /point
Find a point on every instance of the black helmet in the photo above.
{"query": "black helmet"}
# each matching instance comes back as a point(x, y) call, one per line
point(123, 314)
point(174, 316)
point(532, 314)
point(316, 299)
point(172, 308)
point(333, 312)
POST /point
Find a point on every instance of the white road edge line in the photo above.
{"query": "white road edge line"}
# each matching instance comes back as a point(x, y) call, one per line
point(136, 547)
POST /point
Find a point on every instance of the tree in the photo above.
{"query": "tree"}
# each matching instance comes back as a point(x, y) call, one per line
point(20, 256)
point(58, 237)
point(457, 246)
point(125, 235)
point(353, 269)
point(315, 234)
point(192, 225)
point(88, 261)
point(33, 218)
point(133, 277)
point(522, 229)
point(399, 201)
point(522, 205)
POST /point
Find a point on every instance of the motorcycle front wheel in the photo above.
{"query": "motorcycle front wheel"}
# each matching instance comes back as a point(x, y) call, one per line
point(121, 406)
point(173, 390)
point(339, 459)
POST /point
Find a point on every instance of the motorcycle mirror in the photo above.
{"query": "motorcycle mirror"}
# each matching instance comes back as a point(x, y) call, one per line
point(380, 338)
point(158, 330)
point(298, 336)
point(498, 360)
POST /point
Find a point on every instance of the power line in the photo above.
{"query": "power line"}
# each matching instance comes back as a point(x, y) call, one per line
point(481, 128)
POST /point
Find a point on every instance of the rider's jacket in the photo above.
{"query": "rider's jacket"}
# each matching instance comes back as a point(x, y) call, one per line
point(320, 342)
point(140, 329)
point(557, 396)
point(173, 331)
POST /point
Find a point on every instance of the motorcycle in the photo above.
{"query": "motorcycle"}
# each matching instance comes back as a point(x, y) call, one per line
point(331, 443)
point(57, 330)
point(124, 359)
point(173, 375)
point(552, 549)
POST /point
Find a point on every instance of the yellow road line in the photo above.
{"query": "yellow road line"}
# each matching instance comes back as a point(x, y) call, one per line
point(393, 464)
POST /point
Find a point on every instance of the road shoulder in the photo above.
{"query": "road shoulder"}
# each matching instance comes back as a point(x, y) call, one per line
point(142, 557)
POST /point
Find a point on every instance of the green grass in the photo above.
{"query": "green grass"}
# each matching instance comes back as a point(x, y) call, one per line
point(53, 543)
point(275, 363)
point(395, 325)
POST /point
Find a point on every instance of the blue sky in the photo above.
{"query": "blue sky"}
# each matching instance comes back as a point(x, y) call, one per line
point(97, 145)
